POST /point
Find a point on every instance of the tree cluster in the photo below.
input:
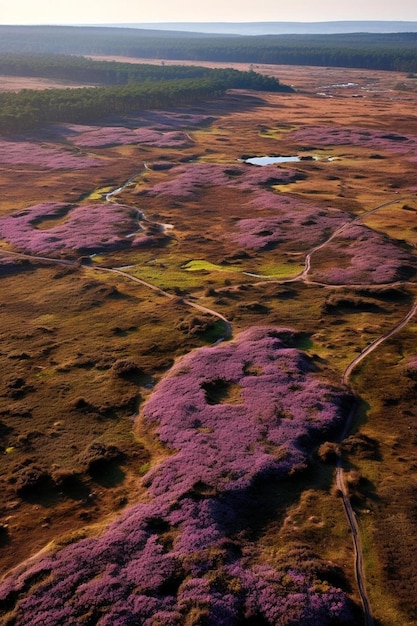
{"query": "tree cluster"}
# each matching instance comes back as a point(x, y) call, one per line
point(146, 87)
point(89, 71)
point(382, 51)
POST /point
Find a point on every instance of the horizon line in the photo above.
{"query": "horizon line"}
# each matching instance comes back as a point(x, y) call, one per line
point(396, 21)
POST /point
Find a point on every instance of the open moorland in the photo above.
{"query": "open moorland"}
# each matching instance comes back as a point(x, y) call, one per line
point(209, 366)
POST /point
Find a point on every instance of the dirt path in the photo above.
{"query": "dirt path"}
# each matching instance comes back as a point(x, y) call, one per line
point(140, 281)
point(372, 346)
point(302, 276)
point(161, 292)
point(340, 482)
point(356, 538)
point(338, 231)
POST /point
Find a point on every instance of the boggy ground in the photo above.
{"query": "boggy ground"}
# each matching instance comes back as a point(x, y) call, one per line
point(81, 350)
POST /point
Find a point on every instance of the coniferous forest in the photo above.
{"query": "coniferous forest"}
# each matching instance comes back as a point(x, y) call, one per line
point(379, 51)
point(120, 88)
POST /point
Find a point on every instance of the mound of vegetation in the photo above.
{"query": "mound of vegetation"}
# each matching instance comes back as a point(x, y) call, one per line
point(179, 558)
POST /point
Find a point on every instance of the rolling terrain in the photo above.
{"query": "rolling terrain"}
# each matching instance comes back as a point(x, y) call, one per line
point(208, 401)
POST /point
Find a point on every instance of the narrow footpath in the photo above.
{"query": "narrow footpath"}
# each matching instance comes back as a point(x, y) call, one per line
point(346, 377)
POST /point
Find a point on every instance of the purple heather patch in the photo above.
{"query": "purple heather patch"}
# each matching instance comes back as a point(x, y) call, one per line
point(85, 229)
point(99, 136)
point(360, 255)
point(174, 119)
point(30, 153)
point(191, 177)
point(369, 138)
point(173, 557)
point(292, 217)
point(226, 446)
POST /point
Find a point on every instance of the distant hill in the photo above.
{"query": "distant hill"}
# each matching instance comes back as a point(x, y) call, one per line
point(281, 28)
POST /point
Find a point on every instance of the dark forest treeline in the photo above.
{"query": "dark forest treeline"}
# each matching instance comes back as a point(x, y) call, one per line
point(388, 51)
point(83, 70)
point(29, 109)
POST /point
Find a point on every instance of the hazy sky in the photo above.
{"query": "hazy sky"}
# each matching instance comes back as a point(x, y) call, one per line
point(122, 11)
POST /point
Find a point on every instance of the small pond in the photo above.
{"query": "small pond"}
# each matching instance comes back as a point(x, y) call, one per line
point(270, 160)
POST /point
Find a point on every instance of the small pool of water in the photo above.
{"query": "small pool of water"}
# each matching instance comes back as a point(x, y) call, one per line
point(270, 160)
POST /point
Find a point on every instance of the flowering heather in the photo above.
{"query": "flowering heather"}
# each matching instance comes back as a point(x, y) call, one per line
point(173, 119)
point(86, 228)
point(99, 136)
point(283, 408)
point(30, 153)
point(173, 559)
point(360, 255)
point(189, 178)
point(373, 139)
point(292, 218)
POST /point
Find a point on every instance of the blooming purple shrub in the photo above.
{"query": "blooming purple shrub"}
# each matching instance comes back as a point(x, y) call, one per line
point(28, 152)
point(173, 119)
point(191, 177)
point(234, 443)
point(370, 138)
point(361, 255)
point(100, 136)
point(176, 559)
point(86, 228)
point(291, 218)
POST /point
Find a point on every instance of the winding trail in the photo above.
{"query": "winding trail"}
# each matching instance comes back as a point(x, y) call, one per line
point(356, 538)
point(372, 346)
point(301, 276)
point(162, 292)
point(110, 197)
point(338, 231)
point(142, 217)
point(340, 482)
point(140, 281)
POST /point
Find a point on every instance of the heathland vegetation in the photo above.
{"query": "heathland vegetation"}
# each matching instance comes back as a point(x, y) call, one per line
point(207, 364)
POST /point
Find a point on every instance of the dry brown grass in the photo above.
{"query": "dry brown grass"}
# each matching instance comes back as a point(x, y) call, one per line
point(17, 83)
point(63, 330)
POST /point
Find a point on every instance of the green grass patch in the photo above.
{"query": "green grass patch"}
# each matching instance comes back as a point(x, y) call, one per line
point(199, 265)
point(275, 133)
point(99, 193)
point(279, 270)
point(166, 278)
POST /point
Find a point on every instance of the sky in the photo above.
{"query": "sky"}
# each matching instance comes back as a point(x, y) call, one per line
point(137, 11)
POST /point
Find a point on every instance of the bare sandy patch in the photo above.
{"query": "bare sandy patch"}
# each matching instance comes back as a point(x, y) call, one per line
point(17, 83)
